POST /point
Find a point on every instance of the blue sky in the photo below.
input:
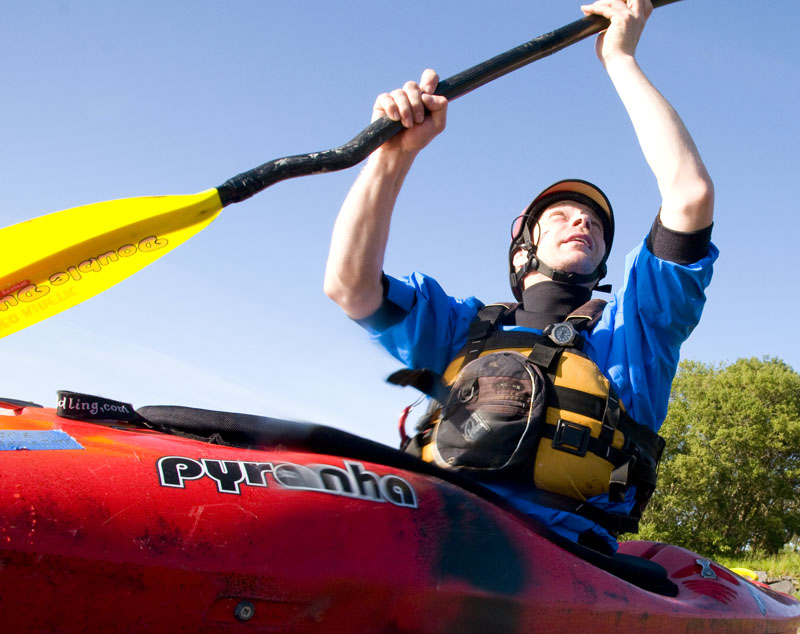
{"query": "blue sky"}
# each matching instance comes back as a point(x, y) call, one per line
point(105, 100)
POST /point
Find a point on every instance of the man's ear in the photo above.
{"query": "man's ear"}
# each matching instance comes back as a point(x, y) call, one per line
point(520, 258)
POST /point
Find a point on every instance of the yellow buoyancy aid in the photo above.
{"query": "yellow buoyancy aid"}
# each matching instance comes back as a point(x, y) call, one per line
point(516, 404)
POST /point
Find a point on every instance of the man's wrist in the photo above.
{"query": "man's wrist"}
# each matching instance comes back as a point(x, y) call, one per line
point(681, 247)
point(620, 62)
point(387, 160)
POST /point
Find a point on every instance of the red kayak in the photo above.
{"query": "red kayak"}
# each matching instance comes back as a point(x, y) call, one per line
point(186, 520)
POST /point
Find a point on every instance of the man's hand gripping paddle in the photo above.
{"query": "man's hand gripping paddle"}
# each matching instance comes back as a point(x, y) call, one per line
point(54, 262)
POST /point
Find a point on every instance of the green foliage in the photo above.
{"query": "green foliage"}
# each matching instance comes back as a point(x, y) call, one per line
point(783, 564)
point(730, 476)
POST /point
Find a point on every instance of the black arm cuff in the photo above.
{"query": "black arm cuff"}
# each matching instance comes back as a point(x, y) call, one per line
point(681, 247)
point(388, 313)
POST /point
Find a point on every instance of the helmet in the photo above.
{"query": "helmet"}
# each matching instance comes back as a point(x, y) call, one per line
point(522, 232)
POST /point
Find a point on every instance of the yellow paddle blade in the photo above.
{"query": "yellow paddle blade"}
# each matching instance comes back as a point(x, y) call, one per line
point(54, 262)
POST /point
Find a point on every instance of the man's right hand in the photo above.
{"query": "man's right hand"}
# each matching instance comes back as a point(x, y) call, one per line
point(423, 114)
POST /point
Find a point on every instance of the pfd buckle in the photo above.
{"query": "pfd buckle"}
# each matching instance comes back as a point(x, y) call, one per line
point(571, 437)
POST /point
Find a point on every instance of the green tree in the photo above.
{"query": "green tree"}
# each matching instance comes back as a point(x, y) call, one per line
point(730, 475)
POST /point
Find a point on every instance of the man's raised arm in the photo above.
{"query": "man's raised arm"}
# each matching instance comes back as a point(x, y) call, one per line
point(687, 193)
point(358, 244)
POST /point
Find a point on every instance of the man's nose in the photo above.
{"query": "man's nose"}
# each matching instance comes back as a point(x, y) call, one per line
point(581, 218)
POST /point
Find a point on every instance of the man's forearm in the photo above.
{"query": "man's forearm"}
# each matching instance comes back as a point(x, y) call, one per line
point(361, 232)
point(686, 189)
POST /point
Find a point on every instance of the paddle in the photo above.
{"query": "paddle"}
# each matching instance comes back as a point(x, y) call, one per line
point(56, 261)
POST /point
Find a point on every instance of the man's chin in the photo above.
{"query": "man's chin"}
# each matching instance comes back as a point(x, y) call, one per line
point(578, 265)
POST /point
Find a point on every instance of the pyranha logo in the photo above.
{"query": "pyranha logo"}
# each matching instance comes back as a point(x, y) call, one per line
point(352, 481)
point(27, 292)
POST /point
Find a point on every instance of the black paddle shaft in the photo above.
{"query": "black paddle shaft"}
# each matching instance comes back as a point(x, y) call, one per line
point(249, 183)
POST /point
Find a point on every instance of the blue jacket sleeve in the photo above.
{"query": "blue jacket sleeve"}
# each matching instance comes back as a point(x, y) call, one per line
point(637, 342)
point(427, 327)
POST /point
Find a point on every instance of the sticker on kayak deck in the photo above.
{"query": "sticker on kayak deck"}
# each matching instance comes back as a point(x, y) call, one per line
point(36, 440)
point(230, 475)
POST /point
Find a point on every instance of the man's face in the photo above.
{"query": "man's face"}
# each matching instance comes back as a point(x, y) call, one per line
point(569, 237)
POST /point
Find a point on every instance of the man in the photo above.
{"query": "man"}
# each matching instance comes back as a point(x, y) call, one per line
point(558, 253)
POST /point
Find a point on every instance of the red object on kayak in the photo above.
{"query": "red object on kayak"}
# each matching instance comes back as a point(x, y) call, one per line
point(144, 526)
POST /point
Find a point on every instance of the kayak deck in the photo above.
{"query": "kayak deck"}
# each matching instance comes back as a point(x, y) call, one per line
point(311, 530)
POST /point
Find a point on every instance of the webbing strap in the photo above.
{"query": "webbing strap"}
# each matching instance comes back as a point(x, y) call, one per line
point(544, 355)
point(618, 482)
point(426, 381)
point(587, 315)
point(610, 417)
point(605, 410)
point(575, 438)
point(575, 401)
point(484, 324)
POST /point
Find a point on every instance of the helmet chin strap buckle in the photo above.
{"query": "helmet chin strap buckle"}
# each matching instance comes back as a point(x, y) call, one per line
point(534, 264)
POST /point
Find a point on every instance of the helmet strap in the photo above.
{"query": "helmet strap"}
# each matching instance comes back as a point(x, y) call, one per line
point(534, 264)
point(569, 278)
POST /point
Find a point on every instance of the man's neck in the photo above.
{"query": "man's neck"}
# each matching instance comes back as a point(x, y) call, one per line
point(550, 302)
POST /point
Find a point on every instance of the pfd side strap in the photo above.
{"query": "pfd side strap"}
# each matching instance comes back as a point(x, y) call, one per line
point(650, 444)
point(614, 523)
point(595, 446)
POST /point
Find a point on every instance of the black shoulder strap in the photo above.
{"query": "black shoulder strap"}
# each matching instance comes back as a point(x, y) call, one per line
point(484, 324)
point(487, 319)
point(586, 317)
